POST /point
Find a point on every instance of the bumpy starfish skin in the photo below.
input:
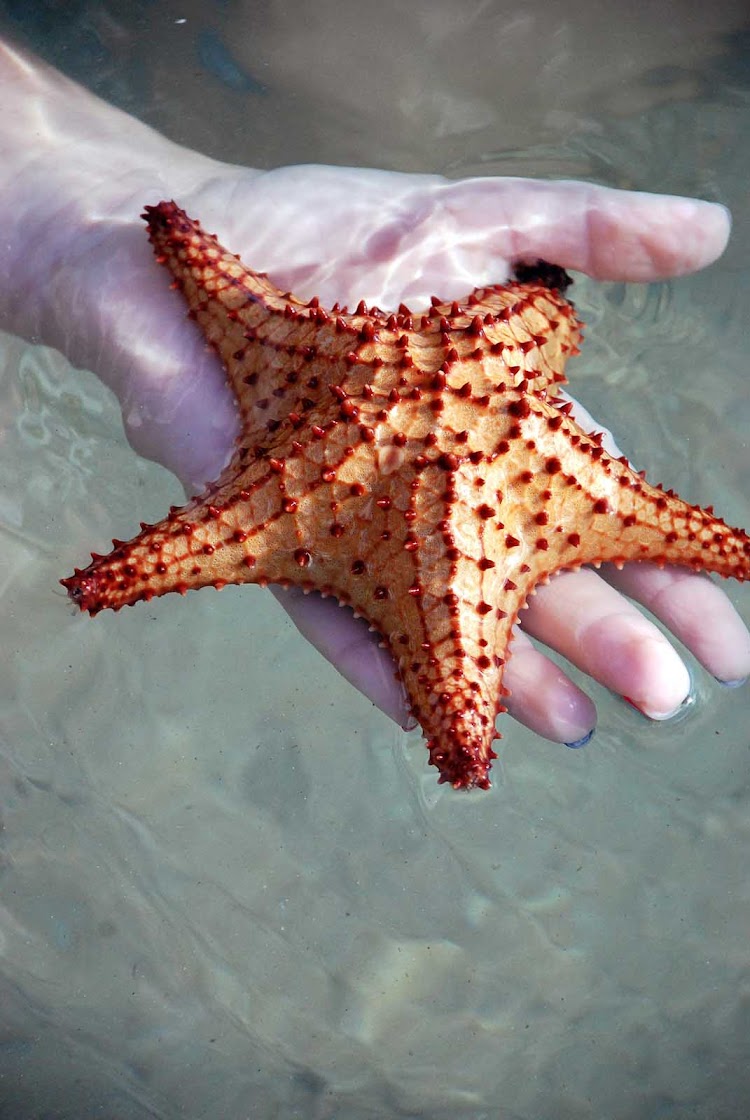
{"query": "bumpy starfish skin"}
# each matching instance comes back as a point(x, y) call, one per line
point(419, 467)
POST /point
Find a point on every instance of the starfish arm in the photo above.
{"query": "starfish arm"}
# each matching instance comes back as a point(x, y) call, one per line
point(207, 542)
point(583, 506)
point(452, 646)
point(267, 339)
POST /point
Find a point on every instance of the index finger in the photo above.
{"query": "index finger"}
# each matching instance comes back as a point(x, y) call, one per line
point(607, 233)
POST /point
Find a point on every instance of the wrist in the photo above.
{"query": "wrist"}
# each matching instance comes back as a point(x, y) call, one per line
point(74, 173)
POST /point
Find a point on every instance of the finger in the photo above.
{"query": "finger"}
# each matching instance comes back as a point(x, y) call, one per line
point(544, 699)
point(609, 234)
point(351, 647)
point(696, 611)
point(605, 635)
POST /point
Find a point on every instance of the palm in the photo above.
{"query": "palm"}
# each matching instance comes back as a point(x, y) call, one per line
point(349, 235)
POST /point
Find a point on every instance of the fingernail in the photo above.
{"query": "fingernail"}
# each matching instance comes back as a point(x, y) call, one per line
point(732, 684)
point(663, 717)
point(582, 741)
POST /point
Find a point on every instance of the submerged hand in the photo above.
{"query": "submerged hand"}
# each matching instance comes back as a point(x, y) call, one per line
point(346, 235)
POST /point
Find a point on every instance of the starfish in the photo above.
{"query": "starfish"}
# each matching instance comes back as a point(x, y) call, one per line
point(420, 467)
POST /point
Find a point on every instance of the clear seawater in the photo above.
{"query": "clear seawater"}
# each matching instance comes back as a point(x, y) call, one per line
point(229, 888)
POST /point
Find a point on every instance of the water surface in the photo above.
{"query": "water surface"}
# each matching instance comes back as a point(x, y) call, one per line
point(230, 887)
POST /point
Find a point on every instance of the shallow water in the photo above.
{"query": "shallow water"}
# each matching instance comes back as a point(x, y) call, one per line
point(229, 886)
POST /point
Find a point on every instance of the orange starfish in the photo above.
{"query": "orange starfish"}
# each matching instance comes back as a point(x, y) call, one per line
point(419, 467)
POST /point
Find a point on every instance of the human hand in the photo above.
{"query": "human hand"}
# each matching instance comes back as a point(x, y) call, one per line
point(347, 235)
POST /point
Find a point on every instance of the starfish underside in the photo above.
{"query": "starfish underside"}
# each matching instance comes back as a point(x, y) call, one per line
point(418, 466)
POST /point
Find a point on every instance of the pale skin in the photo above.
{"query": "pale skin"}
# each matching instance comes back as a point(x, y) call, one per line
point(77, 273)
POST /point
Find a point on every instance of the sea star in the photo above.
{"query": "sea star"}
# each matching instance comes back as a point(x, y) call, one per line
point(419, 467)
